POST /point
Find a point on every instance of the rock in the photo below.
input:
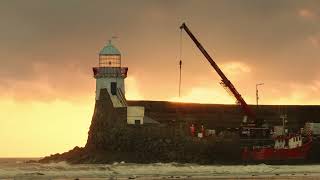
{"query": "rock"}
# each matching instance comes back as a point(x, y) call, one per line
point(168, 141)
point(110, 139)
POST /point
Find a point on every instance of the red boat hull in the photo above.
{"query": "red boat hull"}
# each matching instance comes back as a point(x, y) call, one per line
point(271, 154)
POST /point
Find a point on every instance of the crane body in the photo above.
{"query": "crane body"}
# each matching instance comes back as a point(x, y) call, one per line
point(224, 80)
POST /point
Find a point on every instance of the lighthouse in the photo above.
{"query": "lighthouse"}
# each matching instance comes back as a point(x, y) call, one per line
point(110, 75)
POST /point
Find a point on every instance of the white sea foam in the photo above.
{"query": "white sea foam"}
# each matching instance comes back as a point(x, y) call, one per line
point(18, 170)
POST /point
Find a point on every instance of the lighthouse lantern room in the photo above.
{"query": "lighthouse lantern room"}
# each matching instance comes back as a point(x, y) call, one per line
point(110, 75)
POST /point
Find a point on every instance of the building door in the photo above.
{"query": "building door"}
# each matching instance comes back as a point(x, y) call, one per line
point(113, 88)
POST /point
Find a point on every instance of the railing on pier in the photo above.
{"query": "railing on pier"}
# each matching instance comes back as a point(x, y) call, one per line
point(121, 97)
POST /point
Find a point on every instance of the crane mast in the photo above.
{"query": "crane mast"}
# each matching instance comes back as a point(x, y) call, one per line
point(224, 80)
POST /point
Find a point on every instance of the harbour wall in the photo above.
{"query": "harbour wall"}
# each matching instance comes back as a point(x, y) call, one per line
point(227, 116)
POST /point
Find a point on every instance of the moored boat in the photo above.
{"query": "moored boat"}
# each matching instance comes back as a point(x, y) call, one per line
point(291, 147)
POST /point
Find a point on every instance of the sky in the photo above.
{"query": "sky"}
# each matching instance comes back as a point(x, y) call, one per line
point(48, 49)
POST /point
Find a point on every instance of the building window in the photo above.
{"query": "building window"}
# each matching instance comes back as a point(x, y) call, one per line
point(137, 122)
point(113, 88)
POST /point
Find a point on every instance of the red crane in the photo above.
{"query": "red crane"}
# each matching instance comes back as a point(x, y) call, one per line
point(224, 80)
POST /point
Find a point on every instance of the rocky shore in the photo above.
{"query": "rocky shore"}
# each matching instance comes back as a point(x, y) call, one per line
point(111, 139)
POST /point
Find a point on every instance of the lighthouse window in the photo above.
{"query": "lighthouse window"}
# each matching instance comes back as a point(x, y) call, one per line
point(113, 88)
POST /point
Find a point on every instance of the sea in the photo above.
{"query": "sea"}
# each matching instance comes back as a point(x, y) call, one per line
point(29, 168)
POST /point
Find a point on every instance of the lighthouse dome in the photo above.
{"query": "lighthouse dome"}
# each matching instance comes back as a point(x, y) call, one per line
point(109, 49)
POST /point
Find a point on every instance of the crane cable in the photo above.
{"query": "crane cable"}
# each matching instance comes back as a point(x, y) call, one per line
point(180, 62)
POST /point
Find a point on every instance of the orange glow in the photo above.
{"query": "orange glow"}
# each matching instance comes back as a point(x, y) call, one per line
point(36, 129)
point(205, 96)
point(132, 89)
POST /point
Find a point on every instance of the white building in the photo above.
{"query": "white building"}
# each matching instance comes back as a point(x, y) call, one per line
point(110, 75)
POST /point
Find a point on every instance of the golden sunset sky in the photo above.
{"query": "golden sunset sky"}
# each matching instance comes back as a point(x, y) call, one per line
point(48, 47)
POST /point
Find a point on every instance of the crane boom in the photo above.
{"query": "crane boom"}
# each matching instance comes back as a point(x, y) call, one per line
point(224, 80)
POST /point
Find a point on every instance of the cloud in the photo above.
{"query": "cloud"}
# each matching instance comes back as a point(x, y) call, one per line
point(50, 56)
point(132, 89)
point(235, 68)
point(238, 72)
point(296, 93)
point(307, 13)
point(315, 40)
point(205, 95)
point(47, 82)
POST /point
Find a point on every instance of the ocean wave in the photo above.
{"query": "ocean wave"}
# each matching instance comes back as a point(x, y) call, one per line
point(122, 169)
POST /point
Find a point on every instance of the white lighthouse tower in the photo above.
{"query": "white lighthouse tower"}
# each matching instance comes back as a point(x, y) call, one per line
point(110, 75)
